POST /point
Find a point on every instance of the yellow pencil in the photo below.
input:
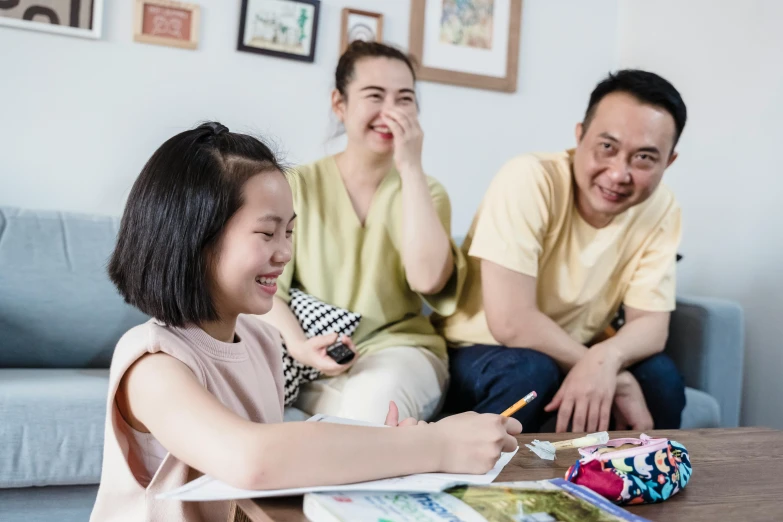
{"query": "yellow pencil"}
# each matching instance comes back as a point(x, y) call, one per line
point(524, 401)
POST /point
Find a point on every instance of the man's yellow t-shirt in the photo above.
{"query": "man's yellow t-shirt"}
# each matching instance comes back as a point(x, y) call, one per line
point(360, 268)
point(528, 223)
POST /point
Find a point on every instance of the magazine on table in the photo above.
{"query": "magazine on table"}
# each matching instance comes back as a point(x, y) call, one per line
point(540, 501)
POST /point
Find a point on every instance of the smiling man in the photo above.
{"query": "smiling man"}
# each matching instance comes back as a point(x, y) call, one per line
point(559, 243)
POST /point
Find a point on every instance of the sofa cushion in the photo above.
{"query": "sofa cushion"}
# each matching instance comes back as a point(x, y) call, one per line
point(292, 414)
point(58, 308)
point(52, 426)
point(63, 504)
point(701, 410)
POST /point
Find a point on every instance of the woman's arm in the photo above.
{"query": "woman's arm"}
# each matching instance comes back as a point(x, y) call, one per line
point(161, 395)
point(311, 352)
point(282, 318)
point(426, 246)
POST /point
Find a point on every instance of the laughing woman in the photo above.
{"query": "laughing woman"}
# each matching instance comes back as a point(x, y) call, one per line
point(373, 238)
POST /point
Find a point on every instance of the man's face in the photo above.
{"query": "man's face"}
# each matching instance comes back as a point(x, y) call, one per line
point(620, 156)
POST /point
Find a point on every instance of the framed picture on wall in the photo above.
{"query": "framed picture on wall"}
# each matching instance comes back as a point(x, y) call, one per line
point(165, 22)
point(360, 25)
point(474, 43)
point(282, 28)
point(69, 17)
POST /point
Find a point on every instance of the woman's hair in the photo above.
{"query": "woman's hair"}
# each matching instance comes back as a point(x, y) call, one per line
point(174, 217)
point(359, 49)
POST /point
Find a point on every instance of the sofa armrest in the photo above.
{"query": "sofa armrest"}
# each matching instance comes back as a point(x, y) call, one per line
point(707, 343)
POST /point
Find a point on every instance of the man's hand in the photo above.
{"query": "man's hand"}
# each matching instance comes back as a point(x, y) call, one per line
point(630, 408)
point(587, 392)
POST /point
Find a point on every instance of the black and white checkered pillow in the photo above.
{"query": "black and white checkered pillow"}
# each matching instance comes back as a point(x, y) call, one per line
point(315, 318)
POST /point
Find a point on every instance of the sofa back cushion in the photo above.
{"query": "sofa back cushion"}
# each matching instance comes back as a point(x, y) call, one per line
point(58, 308)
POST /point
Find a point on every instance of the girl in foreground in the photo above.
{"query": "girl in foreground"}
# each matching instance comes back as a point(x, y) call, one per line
point(198, 388)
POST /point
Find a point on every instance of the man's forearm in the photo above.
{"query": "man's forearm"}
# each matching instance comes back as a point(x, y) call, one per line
point(538, 332)
point(638, 339)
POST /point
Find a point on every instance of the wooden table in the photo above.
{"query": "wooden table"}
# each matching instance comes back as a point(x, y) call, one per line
point(737, 475)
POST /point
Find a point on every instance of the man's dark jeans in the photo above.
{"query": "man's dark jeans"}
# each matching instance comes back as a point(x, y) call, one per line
point(489, 379)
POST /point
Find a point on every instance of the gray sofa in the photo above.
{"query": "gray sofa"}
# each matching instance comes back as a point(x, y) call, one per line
point(60, 318)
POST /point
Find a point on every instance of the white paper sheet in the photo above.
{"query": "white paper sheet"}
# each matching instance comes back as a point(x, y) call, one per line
point(207, 488)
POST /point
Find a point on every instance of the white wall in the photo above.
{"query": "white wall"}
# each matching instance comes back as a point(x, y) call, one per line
point(78, 118)
point(726, 58)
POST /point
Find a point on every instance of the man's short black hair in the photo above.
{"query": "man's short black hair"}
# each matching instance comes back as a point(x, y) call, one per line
point(646, 87)
point(176, 211)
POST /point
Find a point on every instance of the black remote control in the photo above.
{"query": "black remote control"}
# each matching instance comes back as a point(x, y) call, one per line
point(340, 353)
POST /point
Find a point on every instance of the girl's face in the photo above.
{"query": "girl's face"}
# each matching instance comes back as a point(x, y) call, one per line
point(254, 248)
point(378, 84)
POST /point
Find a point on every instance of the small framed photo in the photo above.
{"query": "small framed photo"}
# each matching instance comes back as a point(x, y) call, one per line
point(474, 43)
point(281, 28)
point(165, 22)
point(69, 17)
point(360, 25)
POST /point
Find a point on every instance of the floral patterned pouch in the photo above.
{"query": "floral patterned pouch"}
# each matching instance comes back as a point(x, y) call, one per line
point(633, 471)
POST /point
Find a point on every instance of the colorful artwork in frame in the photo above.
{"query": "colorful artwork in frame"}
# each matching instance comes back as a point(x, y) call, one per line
point(282, 28)
point(467, 22)
point(474, 43)
point(69, 17)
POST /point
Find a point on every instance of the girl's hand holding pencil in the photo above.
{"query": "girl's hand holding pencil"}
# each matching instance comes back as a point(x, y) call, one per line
point(474, 441)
